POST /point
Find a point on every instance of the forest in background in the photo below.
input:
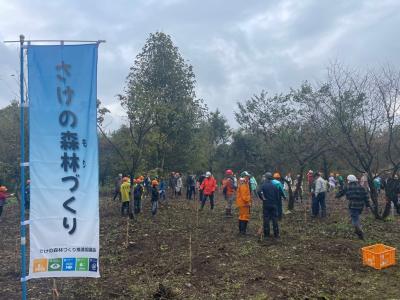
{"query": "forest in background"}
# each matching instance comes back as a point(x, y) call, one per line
point(347, 123)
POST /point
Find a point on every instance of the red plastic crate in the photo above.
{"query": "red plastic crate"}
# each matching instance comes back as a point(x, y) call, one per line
point(379, 256)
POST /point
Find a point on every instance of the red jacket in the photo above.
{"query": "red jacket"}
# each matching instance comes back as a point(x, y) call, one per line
point(208, 186)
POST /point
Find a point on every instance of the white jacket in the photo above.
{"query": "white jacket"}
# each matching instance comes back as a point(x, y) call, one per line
point(320, 186)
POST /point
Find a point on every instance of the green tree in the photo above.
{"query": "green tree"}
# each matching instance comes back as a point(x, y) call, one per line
point(161, 104)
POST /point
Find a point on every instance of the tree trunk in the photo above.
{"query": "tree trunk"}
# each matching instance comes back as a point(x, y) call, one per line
point(325, 163)
point(297, 191)
point(291, 196)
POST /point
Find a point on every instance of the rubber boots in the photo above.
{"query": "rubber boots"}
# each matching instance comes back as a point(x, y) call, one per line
point(244, 226)
point(359, 232)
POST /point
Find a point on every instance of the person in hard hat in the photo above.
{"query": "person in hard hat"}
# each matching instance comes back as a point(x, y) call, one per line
point(270, 196)
point(125, 195)
point(276, 181)
point(229, 188)
point(208, 186)
point(138, 191)
point(117, 187)
point(358, 198)
point(3, 197)
point(154, 197)
point(243, 202)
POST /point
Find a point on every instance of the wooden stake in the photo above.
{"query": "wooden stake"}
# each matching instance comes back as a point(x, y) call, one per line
point(197, 213)
point(190, 251)
point(55, 292)
point(127, 232)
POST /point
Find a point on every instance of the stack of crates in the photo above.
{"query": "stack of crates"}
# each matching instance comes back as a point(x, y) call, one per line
point(379, 256)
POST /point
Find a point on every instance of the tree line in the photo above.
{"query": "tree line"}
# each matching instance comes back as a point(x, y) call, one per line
point(347, 123)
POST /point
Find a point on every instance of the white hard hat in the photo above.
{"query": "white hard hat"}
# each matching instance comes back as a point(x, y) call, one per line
point(208, 174)
point(352, 178)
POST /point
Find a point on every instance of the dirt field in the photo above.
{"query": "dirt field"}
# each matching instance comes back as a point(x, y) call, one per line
point(314, 259)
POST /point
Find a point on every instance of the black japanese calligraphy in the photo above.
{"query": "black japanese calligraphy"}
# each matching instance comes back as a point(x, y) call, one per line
point(74, 179)
point(70, 162)
point(69, 141)
point(65, 117)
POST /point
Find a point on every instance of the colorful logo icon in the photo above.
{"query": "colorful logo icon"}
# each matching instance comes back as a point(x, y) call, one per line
point(39, 265)
point(55, 264)
point(82, 264)
point(69, 264)
point(93, 264)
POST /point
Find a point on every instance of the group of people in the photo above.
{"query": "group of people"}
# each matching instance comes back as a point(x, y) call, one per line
point(132, 191)
point(242, 189)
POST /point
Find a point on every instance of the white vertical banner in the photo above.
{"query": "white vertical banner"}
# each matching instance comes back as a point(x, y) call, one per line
point(63, 158)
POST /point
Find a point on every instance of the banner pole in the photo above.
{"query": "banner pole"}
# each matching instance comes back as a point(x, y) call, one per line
point(22, 161)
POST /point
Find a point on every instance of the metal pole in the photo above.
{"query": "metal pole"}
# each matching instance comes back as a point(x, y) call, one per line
point(22, 161)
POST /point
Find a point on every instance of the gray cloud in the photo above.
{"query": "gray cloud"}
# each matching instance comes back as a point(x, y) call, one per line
point(237, 47)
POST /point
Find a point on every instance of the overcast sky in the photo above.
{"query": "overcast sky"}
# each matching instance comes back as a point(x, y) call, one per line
point(237, 47)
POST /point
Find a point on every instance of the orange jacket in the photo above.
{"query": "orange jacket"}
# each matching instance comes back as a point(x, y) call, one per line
point(227, 184)
point(243, 196)
point(208, 186)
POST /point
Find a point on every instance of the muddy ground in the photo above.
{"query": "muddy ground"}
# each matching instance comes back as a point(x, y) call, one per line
point(314, 259)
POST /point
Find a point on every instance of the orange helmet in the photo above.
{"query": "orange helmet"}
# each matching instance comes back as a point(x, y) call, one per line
point(277, 175)
point(3, 189)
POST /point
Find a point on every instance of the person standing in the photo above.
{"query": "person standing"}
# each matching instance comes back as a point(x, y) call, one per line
point(179, 185)
point(138, 191)
point(243, 202)
point(154, 197)
point(340, 181)
point(310, 179)
point(253, 185)
point(3, 198)
point(319, 196)
point(377, 184)
point(162, 187)
point(191, 186)
point(276, 181)
point(332, 182)
point(358, 198)
point(229, 188)
point(208, 186)
point(117, 187)
point(364, 181)
point(269, 194)
point(287, 182)
point(199, 182)
point(125, 195)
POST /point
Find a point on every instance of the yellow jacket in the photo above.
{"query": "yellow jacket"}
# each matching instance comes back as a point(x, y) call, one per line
point(125, 189)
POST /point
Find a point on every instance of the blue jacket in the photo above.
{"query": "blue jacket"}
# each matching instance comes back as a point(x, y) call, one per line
point(269, 193)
